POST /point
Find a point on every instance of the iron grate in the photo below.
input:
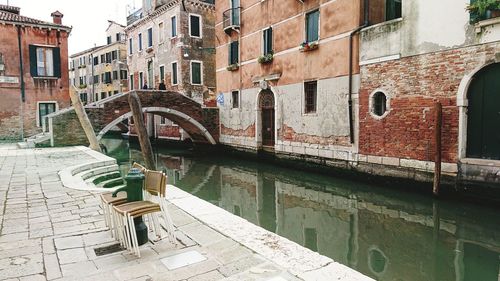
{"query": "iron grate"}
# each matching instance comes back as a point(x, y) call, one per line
point(108, 250)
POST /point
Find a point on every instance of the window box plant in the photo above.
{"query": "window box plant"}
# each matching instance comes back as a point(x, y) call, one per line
point(267, 58)
point(82, 86)
point(308, 46)
point(233, 67)
point(484, 9)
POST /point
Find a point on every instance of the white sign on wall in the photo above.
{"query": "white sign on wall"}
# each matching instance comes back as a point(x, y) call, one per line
point(9, 79)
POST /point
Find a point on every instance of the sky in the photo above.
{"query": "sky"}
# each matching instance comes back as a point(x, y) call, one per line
point(88, 18)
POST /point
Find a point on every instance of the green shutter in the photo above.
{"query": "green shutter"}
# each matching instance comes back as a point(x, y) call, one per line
point(235, 51)
point(270, 40)
point(312, 26)
point(56, 53)
point(390, 10)
point(33, 62)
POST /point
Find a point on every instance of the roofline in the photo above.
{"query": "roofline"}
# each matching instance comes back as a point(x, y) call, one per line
point(84, 51)
point(39, 25)
point(109, 45)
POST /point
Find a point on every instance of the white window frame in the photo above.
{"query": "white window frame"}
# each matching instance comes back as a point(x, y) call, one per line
point(172, 74)
point(159, 72)
point(201, 25)
point(47, 64)
point(191, 71)
point(176, 28)
point(262, 45)
point(387, 104)
point(38, 111)
point(152, 37)
point(140, 40)
point(160, 33)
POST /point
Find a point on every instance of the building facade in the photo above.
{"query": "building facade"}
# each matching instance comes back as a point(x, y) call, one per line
point(285, 77)
point(410, 62)
point(172, 42)
point(33, 71)
point(100, 72)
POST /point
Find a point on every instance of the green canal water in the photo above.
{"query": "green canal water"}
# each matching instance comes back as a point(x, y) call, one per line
point(381, 232)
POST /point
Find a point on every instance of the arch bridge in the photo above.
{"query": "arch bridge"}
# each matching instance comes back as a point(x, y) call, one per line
point(201, 123)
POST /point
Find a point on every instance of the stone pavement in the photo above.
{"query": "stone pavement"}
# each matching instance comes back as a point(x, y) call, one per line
point(50, 232)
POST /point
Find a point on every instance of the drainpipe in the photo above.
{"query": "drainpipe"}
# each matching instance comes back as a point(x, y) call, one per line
point(21, 70)
point(351, 36)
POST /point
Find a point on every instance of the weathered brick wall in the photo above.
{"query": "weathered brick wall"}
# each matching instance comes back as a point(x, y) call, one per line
point(67, 129)
point(36, 90)
point(413, 85)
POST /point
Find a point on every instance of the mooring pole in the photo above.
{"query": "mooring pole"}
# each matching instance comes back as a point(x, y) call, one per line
point(140, 127)
point(84, 120)
point(438, 109)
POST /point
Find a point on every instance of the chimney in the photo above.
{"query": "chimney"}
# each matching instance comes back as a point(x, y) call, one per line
point(57, 17)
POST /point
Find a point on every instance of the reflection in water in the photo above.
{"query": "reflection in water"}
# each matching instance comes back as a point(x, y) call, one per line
point(383, 233)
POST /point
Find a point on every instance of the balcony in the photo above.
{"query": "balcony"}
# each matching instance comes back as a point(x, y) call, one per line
point(231, 20)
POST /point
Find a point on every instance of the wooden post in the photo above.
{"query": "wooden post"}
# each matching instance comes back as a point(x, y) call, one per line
point(438, 109)
point(84, 120)
point(140, 127)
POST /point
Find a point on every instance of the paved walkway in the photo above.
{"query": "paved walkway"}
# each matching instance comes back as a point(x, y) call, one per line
point(49, 232)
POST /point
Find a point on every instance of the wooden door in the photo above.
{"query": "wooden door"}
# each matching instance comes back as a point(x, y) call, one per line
point(483, 115)
point(266, 103)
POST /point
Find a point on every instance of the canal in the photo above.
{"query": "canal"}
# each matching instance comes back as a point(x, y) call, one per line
point(381, 232)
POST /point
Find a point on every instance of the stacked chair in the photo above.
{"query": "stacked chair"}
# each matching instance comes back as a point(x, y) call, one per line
point(120, 214)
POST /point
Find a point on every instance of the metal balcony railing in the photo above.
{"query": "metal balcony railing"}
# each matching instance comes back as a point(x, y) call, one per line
point(231, 19)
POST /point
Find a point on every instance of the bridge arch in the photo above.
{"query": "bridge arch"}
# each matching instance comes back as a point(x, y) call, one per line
point(170, 114)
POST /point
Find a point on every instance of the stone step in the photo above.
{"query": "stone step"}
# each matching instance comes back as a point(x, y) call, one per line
point(110, 175)
point(116, 181)
point(97, 171)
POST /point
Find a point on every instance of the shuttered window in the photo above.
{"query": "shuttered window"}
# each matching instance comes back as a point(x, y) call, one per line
point(393, 9)
point(174, 73)
point(174, 27)
point(312, 26)
point(150, 37)
point(233, 52)
point(45, 62)
point(195, 26)
point(196, 73)
point(268, 41)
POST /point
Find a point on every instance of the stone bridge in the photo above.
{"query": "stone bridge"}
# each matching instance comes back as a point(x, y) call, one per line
point(201, 123)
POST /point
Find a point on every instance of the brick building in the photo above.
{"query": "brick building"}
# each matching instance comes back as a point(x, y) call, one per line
point(285, 77)
point(100, 72)
point(172, 41)
point(33, 71)
point(416, 58)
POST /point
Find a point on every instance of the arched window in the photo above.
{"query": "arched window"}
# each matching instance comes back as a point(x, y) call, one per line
point(379, 104)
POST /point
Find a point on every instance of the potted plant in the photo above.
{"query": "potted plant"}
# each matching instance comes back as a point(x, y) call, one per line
point(308, 46)
point(484, 9)
point(267, 58)
point(233, 67)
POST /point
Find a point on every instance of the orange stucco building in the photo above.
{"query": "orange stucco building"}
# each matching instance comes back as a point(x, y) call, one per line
point(285, 80)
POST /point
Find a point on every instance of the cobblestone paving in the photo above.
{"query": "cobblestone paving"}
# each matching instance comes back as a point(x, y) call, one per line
point(48, 232)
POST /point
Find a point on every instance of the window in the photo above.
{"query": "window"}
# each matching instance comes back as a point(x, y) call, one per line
point(141, 80)
point(110, 94)
point(150, 37)
point(268, 41)
point(103, 95)
point(115, 75)
point(140, 42)
point(44, 62)
point(196, 73)
point(235, 99)
point(115, 92)
point(195, 26)
point(312, 26)
point(107, 77)
point(174, 73)
point(96, 60)
point(96, 79)
point(393, 9)
point(123, 74)
point(131, 82)
point(45, 109)
point(114, 55)
point(109, 40)
point(160, 32)
point(131, 121)
point(83, 98)
point(162, 73)
point(96, 96)
point(173, 32)
point(81, 81)
point(379, 104)
point(103, 58)
point(108, 57)
point(163, 120)
point(130, 46)
point(310, 94)
point(233, 52)
point(118, 37)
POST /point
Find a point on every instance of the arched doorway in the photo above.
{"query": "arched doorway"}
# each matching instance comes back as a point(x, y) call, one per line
point(266, 106)
point(483, 114)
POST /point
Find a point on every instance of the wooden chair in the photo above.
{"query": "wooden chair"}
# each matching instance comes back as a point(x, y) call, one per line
point(154, 189)
point(107, 201)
